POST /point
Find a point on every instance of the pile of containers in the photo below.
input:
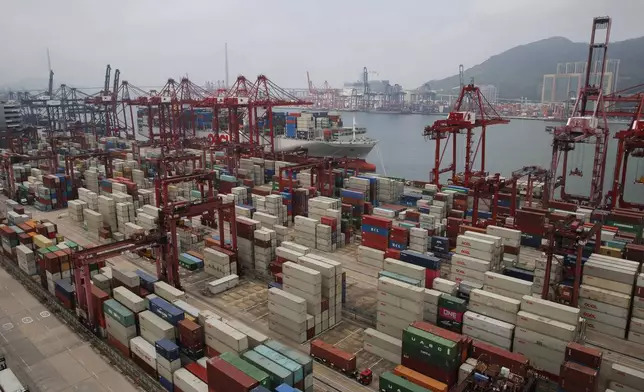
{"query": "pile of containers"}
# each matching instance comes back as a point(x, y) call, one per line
point(399, 304)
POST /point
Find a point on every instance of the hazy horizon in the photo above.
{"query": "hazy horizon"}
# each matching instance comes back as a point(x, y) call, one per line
point(409, 44)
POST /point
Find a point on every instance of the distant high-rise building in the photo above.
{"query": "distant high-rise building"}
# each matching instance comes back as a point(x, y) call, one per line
point(490, 92)
point(569, 78)
point(10, 118)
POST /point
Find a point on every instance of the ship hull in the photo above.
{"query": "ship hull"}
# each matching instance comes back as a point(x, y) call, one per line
point(318, 148)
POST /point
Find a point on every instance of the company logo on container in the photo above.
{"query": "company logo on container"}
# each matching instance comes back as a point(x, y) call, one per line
point(589, 315)
point(592, 306)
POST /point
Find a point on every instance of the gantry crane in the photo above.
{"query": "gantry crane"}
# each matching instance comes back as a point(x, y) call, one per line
point(630, 143)
point(470, 111)
point(585, 126)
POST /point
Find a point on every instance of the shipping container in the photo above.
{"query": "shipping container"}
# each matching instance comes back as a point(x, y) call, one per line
point(437, 350)
point(293, 354)
point(119, 312)
point(333, 356)
point(286, 363)
point(389, 382)
point(587, 356)
point(278, 374)
point(226, 377)
point(185, 381)
point(251, 370)
point(166, 311)
point(420, 379)
point(167, 349)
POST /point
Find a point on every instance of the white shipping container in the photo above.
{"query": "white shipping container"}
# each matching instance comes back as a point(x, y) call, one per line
point(295, 247)
point(287, 253)
point(540, 357)
point(546, 326)
point(488, 337)
point(605, 296)
point(218, 345)
point(608, 271)
point(156, 325)
point(470, 263)
point(540, 339)
point(468, 274)
point(612, 310)
point(187, 308)
point(169, 366)
point(477, 254)
point(403, 268)
point(128, 299)
point(633, 378)
point(390, 319)
point(227, 334)
point(498, 314)
point(464, 371)
point(432, 296)
point(497, 240)
point(617, 387)
point(188, 382)
point(552, 310)
point(604, 318)
point(496, 301)
point(288, 300)
point(382, 340)
point(504, 233)
point(400, 312)
point(637, 325)
point(167, 292)
point(476, 243)
point(401, 289)
point(327, 270)
point(287, 327)
point(608, 284)
point(144, 350)
point(301, 273)
point(445, 286)
point(390, 356)
point(508, 283)
point(205, 315)
point(607, 329)
point(389, 298)
point(255, 338)
point(485, 323)
point(289, 280)
point(286, 312)
point(636, 337)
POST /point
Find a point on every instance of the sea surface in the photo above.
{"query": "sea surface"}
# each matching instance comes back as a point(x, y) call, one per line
point(402, 150)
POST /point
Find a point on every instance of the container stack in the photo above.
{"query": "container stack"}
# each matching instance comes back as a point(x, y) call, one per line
point(186, 381)
point(483, 247)
point(93, 223)
point(120, 325)
point(543, 331)
point(625, 379)
point(510, 240)
point(580, 371)
point(375, 232)
point(89, 197)
point(445, 286)
point(331, 272)
point(218, 264)
point(306, 283)
point(287, 315)
point(144, 355)
point(556, 271)
point(371, 256)
point(107, 209)
point(399, 304)
point(609, 281)
point(432, 351)
point(489, 330)
point(636, 330)
point(282, 234)
point(268, 221)
point(430, 309)
point(305, 231)
point(304, 360)
point(389, 189)
point(245, 243)
point(382, 345)
point(75, 210)
point(451, 311)
point(295, 370)
point(252, 371)
point(495, 306)
point(404, 272)
point(222, 284)
point(91, 180)
point(325, 238)
point(26, 260)
point(167, 360)
point(191, 339)
point(241, 195)
point(222, 338)
point(275, 207)
point(124, 214)
point(265, 245)
point(418, 239)
point(131, 301)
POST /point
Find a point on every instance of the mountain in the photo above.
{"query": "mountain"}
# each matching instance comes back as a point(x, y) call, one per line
point(518, 72)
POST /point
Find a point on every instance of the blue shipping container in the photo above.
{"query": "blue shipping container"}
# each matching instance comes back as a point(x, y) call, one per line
point(420, 259)
point(168, 385)
point(147, 280)
point(64, 287)
point(286, 388)
point(274, 284)
point(397, 245)
point(533, 241)
point(519, 274)
point(375, 230)
point(167, 349)
point(166, 311)
point(351, 194)
point(260, 388)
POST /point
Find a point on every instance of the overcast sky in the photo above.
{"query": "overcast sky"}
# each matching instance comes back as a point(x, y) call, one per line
point(405, 41)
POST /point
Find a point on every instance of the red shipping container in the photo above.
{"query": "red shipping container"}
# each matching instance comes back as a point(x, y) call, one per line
point(98, 298)
point(310, 333)
point(198, 371)
point(191, 334)
point(52, 264)
point(444, 376)
point(376, 221)
point(224, 377)
point(375, 241)
point(450, 314)
point(574, 377)
point(333, 355)
point(392, 253)
point(517, 363)
point(279, 278)
point(211, 352)
point(152, 371)
point(125, 350)
point(586, 356)
point(460, 340)
point(325, 220)
point(430, 275)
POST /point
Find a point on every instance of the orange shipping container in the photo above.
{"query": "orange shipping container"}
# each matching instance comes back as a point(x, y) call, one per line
point(420, 379)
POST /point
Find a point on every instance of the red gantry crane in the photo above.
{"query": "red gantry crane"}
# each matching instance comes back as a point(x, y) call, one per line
point(587, 125)
point(471, 111)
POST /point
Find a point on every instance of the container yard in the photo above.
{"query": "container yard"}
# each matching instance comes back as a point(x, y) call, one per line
point(219, 265)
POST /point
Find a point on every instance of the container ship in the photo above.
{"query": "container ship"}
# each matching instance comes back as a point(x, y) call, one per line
point(321, 134)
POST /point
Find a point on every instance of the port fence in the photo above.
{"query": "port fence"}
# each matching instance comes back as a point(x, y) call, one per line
point(125, 365)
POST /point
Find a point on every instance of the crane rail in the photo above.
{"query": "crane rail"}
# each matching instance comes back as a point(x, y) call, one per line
point(124, 365)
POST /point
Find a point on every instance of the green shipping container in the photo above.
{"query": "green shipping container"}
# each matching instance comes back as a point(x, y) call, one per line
point(118, 312)
point(187, 263)
point(53, 248)
point(250, 370)
point(71, 244)
point(297, 356)
point(286, 363)
point(278, 374)
point(452, 303)
point(434, 345)
point(43, 251)
point(400, 278)
point(389, 382)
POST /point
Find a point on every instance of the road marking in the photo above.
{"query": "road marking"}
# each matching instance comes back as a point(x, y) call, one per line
point(27, 320)
point(45, 314)
point(7, 326)
point(375, 363)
